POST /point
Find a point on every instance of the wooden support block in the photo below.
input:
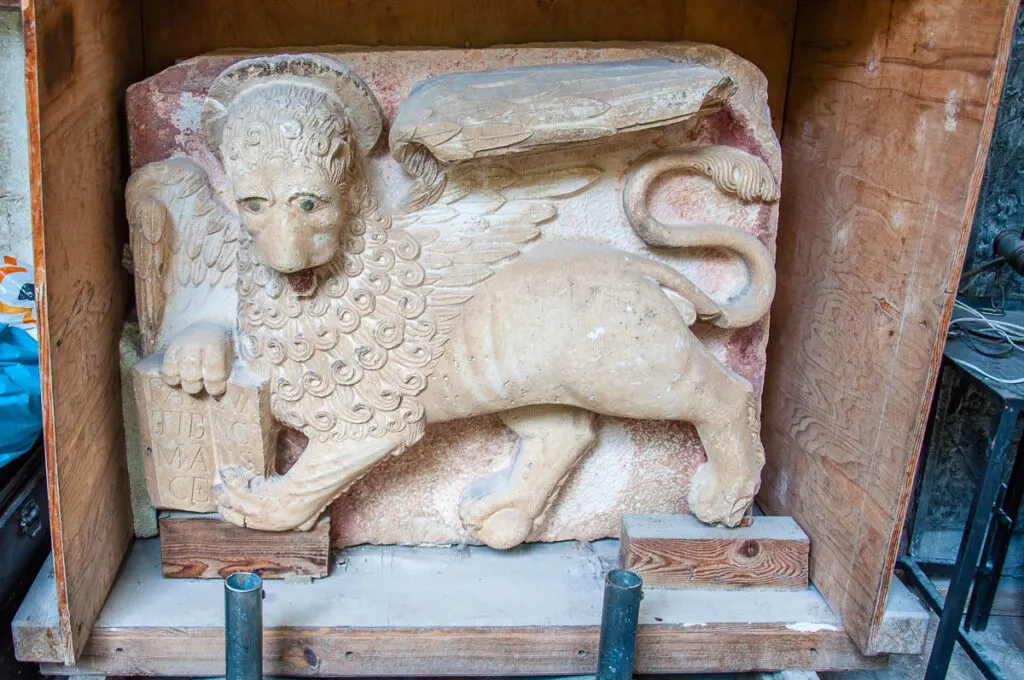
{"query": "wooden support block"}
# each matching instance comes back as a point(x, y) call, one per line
point(205, 546)
point(678, 551)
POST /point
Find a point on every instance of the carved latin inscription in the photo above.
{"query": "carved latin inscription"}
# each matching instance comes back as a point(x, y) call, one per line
point(187, 438)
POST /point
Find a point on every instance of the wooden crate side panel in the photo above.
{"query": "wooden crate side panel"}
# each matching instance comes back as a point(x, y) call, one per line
point(756, 30)
point(889, 112)
point(80, 56)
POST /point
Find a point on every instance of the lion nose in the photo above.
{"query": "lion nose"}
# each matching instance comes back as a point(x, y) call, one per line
point(282, 250)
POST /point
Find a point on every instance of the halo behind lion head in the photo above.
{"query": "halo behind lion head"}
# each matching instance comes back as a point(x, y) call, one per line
point(361, 107)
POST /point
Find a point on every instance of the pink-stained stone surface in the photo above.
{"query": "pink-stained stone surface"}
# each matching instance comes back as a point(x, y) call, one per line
point(636, 466)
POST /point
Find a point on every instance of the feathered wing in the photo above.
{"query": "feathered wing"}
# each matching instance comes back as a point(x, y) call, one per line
point(461, 116)
point(181, 238)
point(483, 219)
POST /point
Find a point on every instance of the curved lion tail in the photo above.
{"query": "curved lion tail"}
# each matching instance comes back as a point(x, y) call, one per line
point(734, 172)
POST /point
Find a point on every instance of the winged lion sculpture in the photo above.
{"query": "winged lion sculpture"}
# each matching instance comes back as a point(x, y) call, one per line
point(369, 325)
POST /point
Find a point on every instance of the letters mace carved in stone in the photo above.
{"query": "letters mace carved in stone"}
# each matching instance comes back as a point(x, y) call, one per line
point(360, 328)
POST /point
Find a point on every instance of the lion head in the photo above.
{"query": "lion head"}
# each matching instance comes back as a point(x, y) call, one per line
point(290, 132)
point(286, 150)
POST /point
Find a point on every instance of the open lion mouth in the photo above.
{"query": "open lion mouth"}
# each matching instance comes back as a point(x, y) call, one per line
point(303, 282)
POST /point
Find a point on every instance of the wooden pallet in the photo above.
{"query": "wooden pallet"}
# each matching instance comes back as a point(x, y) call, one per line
point(443, 611)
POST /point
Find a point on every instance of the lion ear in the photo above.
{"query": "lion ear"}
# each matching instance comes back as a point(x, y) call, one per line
point(310, 70)
point(343, 151)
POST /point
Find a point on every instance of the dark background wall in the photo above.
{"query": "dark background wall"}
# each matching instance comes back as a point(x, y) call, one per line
point(956, 453)
point(1001, 203)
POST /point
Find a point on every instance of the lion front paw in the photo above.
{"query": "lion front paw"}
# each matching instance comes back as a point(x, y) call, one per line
point(199, 358)
point(263, 504)
point(715, 500)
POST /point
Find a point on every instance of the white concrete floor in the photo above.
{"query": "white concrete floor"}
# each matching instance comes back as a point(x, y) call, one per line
point(1003, 641)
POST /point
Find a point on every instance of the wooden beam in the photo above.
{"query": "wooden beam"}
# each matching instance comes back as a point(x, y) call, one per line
point(443, 611)
point(678, 551)
point(205, 546)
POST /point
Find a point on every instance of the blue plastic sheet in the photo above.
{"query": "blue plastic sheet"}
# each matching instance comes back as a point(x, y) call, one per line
point(21, 419)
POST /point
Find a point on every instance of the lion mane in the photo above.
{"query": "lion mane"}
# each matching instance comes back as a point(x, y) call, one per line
point(348, 361)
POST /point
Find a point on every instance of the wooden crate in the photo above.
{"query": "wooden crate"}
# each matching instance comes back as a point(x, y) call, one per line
point(885, 108)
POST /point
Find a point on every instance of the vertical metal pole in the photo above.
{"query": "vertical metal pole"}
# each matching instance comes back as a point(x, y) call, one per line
point(617, 647)
point(987, 580)
point(970, 547)
point(243, 626)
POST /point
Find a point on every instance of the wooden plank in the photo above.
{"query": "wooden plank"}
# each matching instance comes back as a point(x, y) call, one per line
point(890, 109)
point(678, 551)
point(759, 31)
point(79, 57)
point(205, 546)
point(443, 611)
point(12, 5)
point(36, 626)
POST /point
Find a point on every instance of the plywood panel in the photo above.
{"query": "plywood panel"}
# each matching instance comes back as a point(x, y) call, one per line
point(890, 109)
point(759, 31)
point(80, 56)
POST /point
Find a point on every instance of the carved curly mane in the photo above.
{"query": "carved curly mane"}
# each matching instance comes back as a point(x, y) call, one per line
point(349, 361)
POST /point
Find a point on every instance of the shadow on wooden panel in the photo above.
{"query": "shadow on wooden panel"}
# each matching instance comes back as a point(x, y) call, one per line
point(759, 31)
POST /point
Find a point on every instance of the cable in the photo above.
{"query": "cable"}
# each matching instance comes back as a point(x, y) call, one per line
point(1010, 333)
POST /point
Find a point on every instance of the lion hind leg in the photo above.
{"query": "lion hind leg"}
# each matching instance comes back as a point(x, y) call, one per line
point(503, 509)
point(728, 425)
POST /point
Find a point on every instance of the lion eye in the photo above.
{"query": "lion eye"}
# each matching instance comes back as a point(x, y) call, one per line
point(308, 205)
point(253, 205)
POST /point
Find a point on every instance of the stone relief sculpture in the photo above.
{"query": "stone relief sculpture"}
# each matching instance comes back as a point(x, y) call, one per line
point(362, 326)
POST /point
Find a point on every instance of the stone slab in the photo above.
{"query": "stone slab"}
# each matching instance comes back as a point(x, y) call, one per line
point(636, 466)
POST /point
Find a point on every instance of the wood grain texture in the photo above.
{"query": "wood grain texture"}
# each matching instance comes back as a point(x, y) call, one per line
point(36, 627)
point(890, 109)
point(759, 31)
point(677, 551)
point(79, 58)
point(469, 651)
point(208, 547)
point(402, 611)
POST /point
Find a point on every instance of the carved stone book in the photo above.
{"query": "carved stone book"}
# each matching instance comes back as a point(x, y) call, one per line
point(488, 296)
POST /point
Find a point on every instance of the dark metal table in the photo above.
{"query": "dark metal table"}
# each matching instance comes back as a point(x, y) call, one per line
point(993, 512)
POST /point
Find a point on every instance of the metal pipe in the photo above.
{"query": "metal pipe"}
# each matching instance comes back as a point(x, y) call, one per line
point(243, 626)
point(933, 599)
point(617, 647)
